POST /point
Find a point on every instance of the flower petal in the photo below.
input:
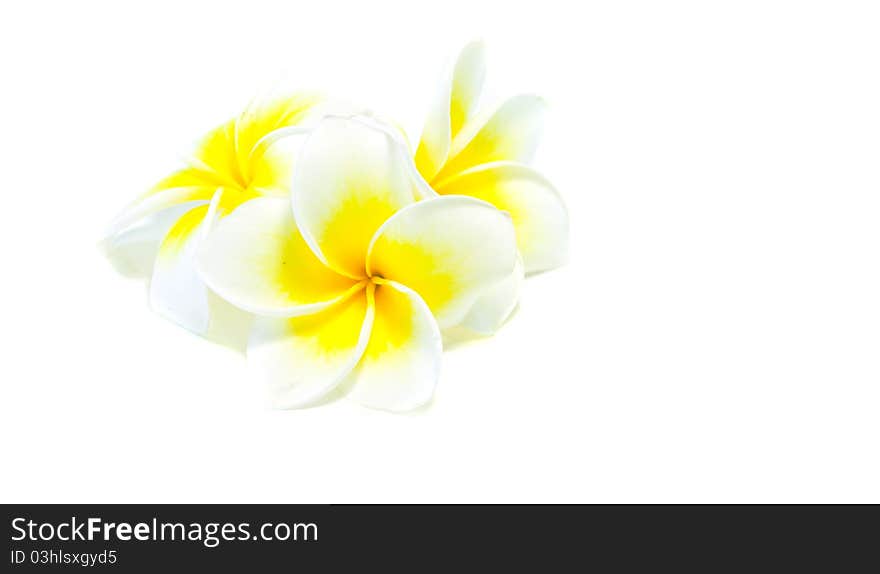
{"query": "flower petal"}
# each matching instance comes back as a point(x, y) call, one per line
point(176, 290)
point(436, 137)
point(538, 213)
point(273, 159)
point(394, 131)
point(156, 202)
point(350, 178)
point(494, 306)
point(257, 260)
point(448, 249)
point(401, 363)
point(260, 119)
point(510, 134)
point(229, 325)
point(215, 159)
point(196, 174)
point(132, 249)
point(467, 83)
point(454, 105)
point(304, 358)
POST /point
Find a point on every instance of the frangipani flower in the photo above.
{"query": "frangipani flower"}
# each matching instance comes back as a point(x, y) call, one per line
point(158, 234)
point(354, 278)
point(487, 155)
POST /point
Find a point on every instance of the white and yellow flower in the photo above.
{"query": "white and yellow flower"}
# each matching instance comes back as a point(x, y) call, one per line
point(354, 278)
point(158, 234)
point(487, 156)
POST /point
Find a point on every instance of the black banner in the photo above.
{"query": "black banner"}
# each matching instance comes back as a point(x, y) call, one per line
point(149, 538)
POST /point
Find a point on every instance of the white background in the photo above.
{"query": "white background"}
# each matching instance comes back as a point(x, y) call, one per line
point(715, 337)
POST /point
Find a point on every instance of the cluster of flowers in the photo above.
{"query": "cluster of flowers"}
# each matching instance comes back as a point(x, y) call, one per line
point(345, 255)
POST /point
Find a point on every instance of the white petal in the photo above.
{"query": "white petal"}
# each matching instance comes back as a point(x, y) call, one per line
point(493, 307)
point(229, 326)
point(257, 259)
point(176, 290)
point(422, 190)
point(455, 103)
point(132, 251)
point(156, 202)
point(349, 179)
point(467, 84)
point(401, 363)
point(538, 212)
point(449, 250)
point(510, 134)
point(304, 358)
point(261, 118)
